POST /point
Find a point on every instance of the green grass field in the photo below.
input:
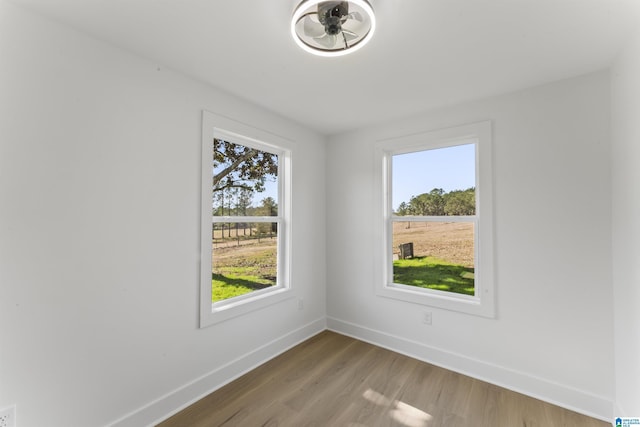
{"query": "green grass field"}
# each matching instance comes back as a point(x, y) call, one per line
point(433, 273)
point(225, 286)
point(239, 271)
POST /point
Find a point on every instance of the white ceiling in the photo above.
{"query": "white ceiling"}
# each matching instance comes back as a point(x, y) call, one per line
point(425, 53)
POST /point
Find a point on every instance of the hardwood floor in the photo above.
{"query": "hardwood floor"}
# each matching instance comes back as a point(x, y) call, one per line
point(334, 380)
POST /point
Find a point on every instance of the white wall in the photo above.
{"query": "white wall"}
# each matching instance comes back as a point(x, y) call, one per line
point(99, 238)
point(552, 335)
point(99, 233)
point(625, 107)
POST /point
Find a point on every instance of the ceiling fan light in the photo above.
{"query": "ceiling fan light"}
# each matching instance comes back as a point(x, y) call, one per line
point(350, 23)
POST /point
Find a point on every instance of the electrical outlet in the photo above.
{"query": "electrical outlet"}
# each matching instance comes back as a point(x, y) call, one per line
point(8, 417)
point(300, 305)
point(426, 317)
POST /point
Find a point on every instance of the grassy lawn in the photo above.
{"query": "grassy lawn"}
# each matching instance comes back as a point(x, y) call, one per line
point(433, 273)
point(225, 286)
point(238, 271)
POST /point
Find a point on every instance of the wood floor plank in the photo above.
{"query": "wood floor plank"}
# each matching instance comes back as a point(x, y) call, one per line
point(335, 388)
point(334, 380)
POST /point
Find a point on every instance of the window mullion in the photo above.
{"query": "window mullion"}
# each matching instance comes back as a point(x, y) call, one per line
point(224, 219)
point(452, 218)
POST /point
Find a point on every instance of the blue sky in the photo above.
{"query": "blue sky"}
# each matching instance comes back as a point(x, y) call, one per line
point(271, 190)
point(450, 168)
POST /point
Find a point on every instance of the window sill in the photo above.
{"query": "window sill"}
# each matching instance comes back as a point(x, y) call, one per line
point(211, 314)
point(475, 305)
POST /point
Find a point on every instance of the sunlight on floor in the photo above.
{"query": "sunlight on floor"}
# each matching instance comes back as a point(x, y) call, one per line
point(400, 412)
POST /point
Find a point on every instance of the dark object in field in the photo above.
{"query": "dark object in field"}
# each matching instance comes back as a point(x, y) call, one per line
point(406, 250)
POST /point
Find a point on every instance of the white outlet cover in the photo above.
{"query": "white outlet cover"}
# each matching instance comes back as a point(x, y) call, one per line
point(427, 317)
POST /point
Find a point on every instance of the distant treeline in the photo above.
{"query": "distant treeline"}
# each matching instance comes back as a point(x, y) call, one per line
point(438, 203)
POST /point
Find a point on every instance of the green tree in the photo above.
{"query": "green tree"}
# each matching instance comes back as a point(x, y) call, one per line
point(238, 166)
point(435, 202)
point(417, 205)
point(438, 203)
point(243, 202)
point(427, 204)
point(403, 209)
point(269, 207)
point(460, 202)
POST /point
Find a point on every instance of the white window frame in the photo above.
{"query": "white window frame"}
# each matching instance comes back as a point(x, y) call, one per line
point(482, 303)
point(215, 126)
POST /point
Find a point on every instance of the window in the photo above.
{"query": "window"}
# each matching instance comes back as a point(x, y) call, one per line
point(437, 220)
point(245, 219)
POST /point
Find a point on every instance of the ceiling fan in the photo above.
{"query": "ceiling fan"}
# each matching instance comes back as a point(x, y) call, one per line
point(332, 28)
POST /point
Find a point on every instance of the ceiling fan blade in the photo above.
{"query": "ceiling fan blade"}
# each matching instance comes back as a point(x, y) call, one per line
point(357, 16)
point(312, 28)
point(327, 40)
point(349, 35)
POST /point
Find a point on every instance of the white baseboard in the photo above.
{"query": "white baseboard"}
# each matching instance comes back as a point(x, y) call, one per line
point(174, 401)
point(558, 394)
point(561, 395)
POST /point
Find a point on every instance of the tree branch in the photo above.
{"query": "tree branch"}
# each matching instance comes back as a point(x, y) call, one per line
point(232, 185)
point(226, 171)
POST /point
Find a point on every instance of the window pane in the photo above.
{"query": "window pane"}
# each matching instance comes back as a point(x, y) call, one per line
point(437, 182)
point(245, 180)
point(244, 259)
point(434, 255)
